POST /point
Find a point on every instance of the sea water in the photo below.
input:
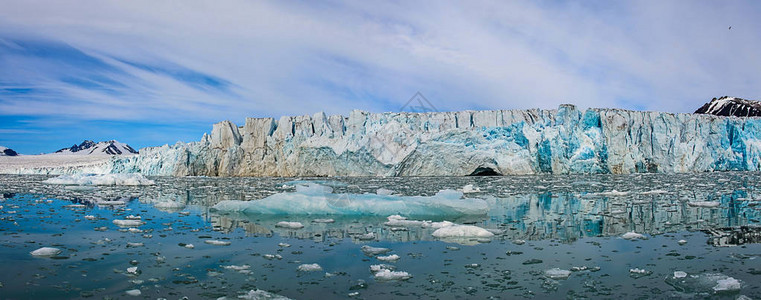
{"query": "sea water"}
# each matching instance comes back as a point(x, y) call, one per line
point(542, 237)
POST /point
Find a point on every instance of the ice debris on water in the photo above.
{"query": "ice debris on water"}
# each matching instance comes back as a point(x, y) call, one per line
point(388, 258)
point(309, 268)
point(262, 295)
point(134, 245)
point(682, 242)
point(469, 188)
point(134, 293)
point(289, 225)
point(388, 275)
point(132, 179)
point(323, 220)
point(399, 221)
point(370, 251)
point(633, 236)
point(557, 273)
point(315, 199)
point(128, 223)
point(703, 283)
point(217, 242)
point(132, 270)
point(46, 251)
point(455, 231)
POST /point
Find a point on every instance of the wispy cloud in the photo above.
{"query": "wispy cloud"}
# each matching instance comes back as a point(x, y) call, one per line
point(203, 61)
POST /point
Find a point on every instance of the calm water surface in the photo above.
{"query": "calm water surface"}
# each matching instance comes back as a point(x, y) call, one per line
point(572, 223)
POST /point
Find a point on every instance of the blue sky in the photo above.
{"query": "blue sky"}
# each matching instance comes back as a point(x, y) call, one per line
point(149, 73)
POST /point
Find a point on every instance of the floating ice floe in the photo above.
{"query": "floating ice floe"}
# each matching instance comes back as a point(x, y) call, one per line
point(134, 293)
point(244, 269)
point(134, 245)
point(704, 283)
point(458, 231)
point(469, 188)
point(101, 179)
point(323, 221)
point(111, 202)
point(128, 223)
point(633, 236)
point(399, 221)
point(704, 204)
point(682, 242)
point(388, 258)
point(132, 270)
point(377, 268)
point(309, 268)
point(90, 217)
point(557, 273)
point(175, 205)
point(388, 275)
point(370, 251)
point(46, 251)
point(262, 295)
point(315, 199)
point(289, 225)
point(217, 242)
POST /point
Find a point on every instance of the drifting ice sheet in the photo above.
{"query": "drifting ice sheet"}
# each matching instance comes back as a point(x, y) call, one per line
point(315, 199)
point(101, 179)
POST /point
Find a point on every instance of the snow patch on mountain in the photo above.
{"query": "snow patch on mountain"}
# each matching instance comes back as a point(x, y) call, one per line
point(88, 147)
point(731, 106)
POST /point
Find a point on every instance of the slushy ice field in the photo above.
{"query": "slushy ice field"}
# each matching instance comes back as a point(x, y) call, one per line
point(542, 237)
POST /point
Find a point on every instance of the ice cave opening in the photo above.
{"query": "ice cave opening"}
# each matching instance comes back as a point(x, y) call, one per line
point(484, 171)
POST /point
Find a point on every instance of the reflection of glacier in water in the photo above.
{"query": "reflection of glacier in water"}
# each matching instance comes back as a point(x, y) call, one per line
point(553, 237)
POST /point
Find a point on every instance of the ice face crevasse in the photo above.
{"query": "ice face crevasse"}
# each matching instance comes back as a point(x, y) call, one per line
point(498, 142)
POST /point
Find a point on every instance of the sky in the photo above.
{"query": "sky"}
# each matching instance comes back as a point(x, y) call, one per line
point(149, 73)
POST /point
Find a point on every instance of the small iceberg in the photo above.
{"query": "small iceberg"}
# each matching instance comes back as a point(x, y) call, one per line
point(388, 258)
point(557, 273)
point(633, 236)
point(371, 251)
point(388, 275)
point(46, 252)
point(460, 231)
point(128, 223)
point(131, 179)
point(289, 225)
point(262, 295)
point(217, 242)
point(309, 268)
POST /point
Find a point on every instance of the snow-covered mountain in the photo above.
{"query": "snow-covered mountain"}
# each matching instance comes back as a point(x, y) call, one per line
point(101, 148)
point(4, 151)
point(731, 106)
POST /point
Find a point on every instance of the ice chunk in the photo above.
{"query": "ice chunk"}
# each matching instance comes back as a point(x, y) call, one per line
point(399, 221)
point(90, 217)
point(133, 245)
point(704, 204)
point(323, 220)
point(470, 189)
point(128, 223)
point(682, 242)
point(132, 270)
point(189, 246)
point(557, 273)
point(289, 225)
point(456, 231)
point(307, 201)
point(309, 268)
point(633, 236)
point(703, 283)
point(174, 205)
point(370, 251)
point(378, 268)
point(727, 285)
point(262, 295)
point(388, 258)
point(383, 192)
point(388, 275)
point(217, 242)
point(46, 251)
point(134, 293)
point(101, 179)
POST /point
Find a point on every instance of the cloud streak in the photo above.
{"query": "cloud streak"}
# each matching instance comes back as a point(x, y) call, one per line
point(197, 62)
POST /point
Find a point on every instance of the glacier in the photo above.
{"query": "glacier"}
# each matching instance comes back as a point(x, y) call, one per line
point(565, 140)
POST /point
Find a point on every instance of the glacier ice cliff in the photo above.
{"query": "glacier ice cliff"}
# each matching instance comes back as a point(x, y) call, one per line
point(560, 141)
